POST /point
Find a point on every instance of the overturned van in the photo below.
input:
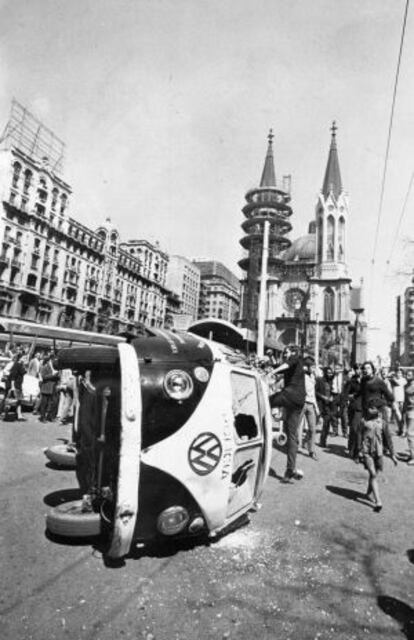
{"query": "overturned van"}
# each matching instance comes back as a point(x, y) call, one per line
point(173, 438)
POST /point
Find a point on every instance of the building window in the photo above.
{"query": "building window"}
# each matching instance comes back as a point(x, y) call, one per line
point(55, 194)
point(27, 180)
point(63, 203)
point(17, 167)
point(329, 305)
point(31, 281)
point(341, 239)
point(331, 238)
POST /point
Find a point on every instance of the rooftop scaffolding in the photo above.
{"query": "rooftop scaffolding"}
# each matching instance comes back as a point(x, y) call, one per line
point(31, 136)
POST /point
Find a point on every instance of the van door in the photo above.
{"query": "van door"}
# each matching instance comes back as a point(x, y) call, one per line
point(249, 442)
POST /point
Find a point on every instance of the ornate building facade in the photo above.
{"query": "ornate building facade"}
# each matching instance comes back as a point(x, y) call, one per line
point(308, 284)
point(54, 269)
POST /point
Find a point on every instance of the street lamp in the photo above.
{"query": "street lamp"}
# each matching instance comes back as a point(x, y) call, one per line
point(358, 308)
point(302, 313)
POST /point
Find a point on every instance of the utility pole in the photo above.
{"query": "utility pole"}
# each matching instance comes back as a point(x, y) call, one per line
point(317, 340)
point(263, 291)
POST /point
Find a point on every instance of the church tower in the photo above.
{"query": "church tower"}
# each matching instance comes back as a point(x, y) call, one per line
point(331, 218)
point(268, 202)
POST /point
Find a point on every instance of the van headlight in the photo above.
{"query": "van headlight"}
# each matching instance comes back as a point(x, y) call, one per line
point(178, 384)
point(172, 520)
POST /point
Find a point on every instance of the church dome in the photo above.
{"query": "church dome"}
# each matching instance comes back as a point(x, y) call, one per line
point(302, 249)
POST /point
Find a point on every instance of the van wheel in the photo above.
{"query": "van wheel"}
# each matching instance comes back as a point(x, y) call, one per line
point(63, 455)
point(68, 520)
point(281, 439)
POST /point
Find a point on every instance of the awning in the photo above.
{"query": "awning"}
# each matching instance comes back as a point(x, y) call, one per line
point(220, 331)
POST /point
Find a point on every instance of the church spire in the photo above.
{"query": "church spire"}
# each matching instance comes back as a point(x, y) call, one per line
point(332, 182)
point(268, 175)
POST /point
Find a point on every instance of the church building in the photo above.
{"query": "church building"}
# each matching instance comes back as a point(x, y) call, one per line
point(308, 281)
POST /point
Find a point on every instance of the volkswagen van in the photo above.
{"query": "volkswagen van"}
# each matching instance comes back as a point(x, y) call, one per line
point(173, 437)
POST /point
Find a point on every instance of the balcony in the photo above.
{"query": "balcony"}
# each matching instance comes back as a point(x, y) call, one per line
point(40, 210)
point(53, 280)
point(16, 264)
point(4, 260)
point(73, 270)
point(71, 278)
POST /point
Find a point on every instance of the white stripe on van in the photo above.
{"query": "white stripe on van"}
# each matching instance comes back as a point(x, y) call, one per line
point(126, 510)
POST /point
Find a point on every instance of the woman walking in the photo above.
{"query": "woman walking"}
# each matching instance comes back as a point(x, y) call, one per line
point(375, 438)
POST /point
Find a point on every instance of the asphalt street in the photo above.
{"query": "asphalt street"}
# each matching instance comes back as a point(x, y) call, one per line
point(315, 563)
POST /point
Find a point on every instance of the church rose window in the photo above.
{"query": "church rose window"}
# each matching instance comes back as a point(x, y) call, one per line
point(294, 300)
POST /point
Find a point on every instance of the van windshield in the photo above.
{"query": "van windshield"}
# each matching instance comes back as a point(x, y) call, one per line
point(245, 405)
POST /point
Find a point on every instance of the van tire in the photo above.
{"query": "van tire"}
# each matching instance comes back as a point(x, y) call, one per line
point(69, 521)
point(281, 439)
point(62, 455)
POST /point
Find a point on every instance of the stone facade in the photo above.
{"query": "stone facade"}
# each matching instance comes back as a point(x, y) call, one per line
point(55, 270)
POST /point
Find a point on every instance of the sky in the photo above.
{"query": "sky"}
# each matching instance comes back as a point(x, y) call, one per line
point(165, 107)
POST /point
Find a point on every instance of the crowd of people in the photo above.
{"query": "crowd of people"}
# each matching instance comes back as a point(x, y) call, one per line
point(32, 378)
point(358, 404)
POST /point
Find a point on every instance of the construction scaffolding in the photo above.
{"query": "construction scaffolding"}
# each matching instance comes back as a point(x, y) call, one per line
point(28, 134)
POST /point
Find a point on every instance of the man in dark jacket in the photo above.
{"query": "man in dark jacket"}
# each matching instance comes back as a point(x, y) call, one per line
point(354, 410)
point(16, 377)
point(49, 377)
point(292, 398)
point(374, 390)
point(328, 402)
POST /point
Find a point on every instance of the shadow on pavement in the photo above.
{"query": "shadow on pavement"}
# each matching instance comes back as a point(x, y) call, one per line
point(410, 555)
point(273, 474)
point(163, 549)
point(349, 494)
point(403, 613)
point(337, 450)
point(68, 541)
point(278, 447)
point(58, 467)
point(64, 495)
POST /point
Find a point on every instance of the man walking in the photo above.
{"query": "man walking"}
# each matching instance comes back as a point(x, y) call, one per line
point(310, 409)
point(292, 398)
point(398, 383)
point(328, 401)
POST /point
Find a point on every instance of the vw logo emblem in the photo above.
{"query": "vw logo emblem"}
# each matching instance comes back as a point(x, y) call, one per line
point(204, 453)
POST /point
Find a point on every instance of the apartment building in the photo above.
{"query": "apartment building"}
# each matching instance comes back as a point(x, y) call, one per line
point(183, 278)
point(219, 291)
point(54, 269)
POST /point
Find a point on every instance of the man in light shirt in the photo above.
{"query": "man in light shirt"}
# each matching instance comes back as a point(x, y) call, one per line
point(398, 383)
point(310, 409)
